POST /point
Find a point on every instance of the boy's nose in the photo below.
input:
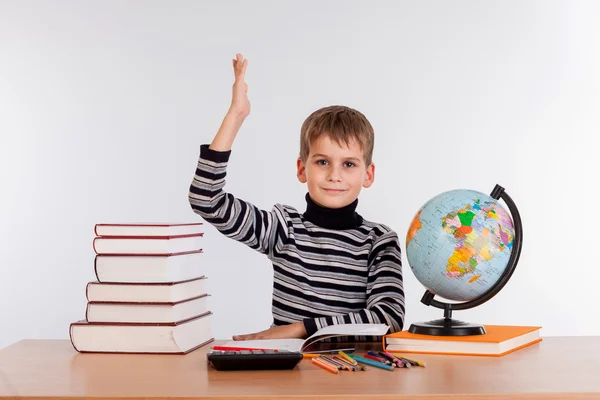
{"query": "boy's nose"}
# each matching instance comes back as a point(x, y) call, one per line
point(334, 175)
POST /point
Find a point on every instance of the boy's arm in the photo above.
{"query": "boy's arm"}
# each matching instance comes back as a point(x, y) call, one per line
point(385, 290)
point(238, 111)
point(233, 217)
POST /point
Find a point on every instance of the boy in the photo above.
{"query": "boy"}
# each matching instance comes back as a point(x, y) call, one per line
point(330, 265)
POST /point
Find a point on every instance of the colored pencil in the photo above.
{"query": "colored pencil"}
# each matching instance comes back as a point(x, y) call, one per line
point(347, 357)
point(419, 363)
point(372, 363)
point(351, 360)
point(372, 356)
point(346, 363)
point(336, 363)
point(307, 355)
point(325, 365)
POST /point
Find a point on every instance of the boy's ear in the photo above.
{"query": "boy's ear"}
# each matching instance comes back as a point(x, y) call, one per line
point(301, 170)
point(370, 176)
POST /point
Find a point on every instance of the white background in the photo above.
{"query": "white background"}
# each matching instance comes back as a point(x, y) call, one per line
point(103, 107)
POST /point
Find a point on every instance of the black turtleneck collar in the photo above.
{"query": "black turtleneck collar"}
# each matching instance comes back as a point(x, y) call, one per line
point(332, 218)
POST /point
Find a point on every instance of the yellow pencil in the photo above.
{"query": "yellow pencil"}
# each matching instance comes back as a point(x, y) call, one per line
point(347, 358)
point(352, 361)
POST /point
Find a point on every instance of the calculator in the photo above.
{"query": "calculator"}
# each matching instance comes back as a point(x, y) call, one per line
point(253, 359)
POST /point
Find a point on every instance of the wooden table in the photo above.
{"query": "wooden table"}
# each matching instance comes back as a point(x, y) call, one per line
point(557, 368)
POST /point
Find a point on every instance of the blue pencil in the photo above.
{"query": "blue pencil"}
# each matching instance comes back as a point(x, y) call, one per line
point(372, 363)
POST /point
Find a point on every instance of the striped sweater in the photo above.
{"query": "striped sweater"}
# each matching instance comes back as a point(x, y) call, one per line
point(322, 275)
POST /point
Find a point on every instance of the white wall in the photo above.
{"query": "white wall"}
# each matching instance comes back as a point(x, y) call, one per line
point(103, 106)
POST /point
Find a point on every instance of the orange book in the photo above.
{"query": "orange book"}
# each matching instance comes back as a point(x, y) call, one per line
point(498, 341)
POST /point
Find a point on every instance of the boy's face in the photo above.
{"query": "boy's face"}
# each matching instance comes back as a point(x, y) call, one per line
point(335, 173)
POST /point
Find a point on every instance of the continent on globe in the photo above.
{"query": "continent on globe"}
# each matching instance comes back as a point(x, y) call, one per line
point(475, 242)
point(414, 228)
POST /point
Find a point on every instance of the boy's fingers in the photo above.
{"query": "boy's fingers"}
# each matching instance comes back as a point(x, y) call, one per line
point(241, 71)
point(249, 336)
point(239, 66)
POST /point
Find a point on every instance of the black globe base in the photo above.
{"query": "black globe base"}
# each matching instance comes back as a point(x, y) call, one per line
point(446, 327)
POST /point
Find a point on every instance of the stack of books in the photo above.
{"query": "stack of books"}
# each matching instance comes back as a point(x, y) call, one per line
point(150, 294)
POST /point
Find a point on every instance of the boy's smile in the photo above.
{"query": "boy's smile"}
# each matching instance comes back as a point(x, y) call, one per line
point(335, 173)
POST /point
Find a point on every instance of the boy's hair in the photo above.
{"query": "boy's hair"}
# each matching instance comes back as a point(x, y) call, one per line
point(342, 124)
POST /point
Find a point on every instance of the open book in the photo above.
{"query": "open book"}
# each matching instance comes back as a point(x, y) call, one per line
point(315, 343)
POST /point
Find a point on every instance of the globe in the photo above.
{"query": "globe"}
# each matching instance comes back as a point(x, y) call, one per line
point(463, 246)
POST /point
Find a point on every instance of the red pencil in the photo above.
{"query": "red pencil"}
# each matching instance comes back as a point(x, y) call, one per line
point(377, 358)
point(236, 348)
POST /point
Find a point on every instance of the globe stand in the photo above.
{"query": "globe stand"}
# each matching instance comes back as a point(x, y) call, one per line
point(445, 326)
point(451, 327)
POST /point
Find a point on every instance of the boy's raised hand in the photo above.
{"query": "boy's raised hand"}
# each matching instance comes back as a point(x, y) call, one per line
point(295, 330)
point(240, 105)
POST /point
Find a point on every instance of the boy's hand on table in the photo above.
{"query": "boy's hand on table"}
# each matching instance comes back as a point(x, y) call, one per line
point(295, 330)
point(240, 105)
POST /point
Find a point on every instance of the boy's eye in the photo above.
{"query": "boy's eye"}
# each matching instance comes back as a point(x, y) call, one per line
point(349, 164)
point(322, 162)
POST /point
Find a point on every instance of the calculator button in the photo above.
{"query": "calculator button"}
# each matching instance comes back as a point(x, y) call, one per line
point(257, 352)
point(245, 352)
